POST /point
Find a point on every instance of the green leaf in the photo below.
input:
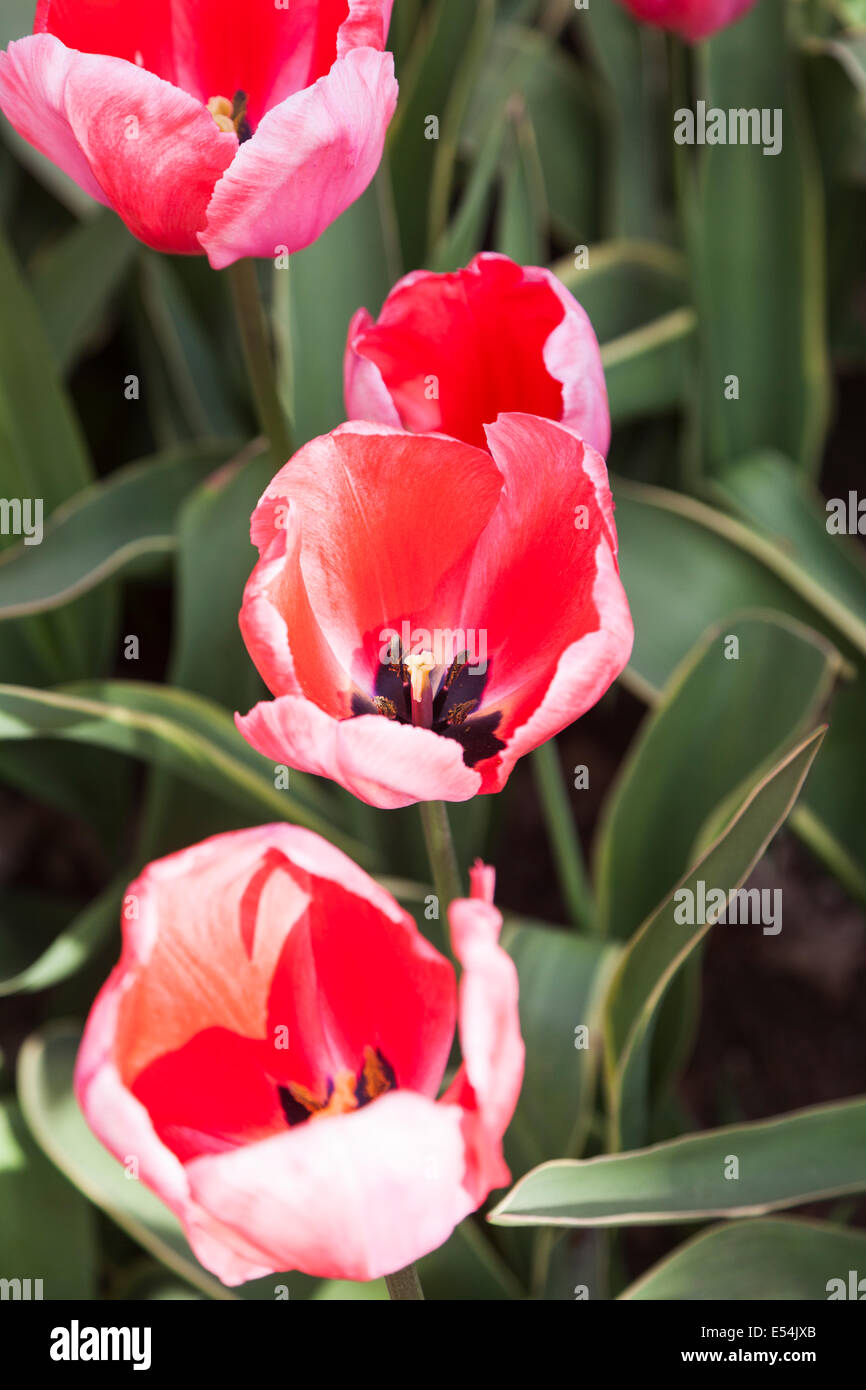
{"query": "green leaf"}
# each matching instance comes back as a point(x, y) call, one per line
point(626, 54)
point(805, 1156)
point(761, 265)
point(352, 265)
point(827, 570)
point(562, 979)
point(443, 41)
point(719, 724)
point(215, 559)
point(45, 1069)
point(662, 945)
point(198, 373)
point(48, 1229)
point(731, 568)
point(44, 460)
point(626, 285)
point(75, 280)
point(40, 442)
point(467, 1267)
point(73, 946)
point(104, 529)
point(756, 1260)
point(522, 221)
point(171, 728)
point(527, 65)
point(648, 371)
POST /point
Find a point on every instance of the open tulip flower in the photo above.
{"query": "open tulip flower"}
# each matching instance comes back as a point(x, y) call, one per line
point(426, 611)
point(449, 353)
point(693, 19)
point(236, 129)
point(270, 1048)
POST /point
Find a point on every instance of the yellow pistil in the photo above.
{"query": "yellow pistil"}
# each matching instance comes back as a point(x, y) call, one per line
point(221, 110)
point(419, 665)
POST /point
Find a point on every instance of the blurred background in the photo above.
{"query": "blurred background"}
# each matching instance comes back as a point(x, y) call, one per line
point(123, 404)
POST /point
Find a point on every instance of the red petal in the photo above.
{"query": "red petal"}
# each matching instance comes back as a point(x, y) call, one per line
point(533, 572)
point(388, 522)
point(351, 1197)
point(312, 155)
point(135, 142)
point(378, 760)
point(212, 1094)
point(352, 977)
point(477, 337)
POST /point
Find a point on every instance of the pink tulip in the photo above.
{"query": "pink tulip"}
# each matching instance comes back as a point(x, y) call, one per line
point(449, 353)
point(425, 612)
point(270, 1048)
point(235, 128)
point(693, 19)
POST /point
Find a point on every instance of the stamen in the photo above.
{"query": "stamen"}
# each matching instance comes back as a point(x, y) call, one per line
point(221, 110)
point(419, 665)
point(231, 116)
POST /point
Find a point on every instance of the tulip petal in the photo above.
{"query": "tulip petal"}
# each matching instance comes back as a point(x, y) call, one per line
point(280, 629)
point(141, 34)
point(350, 978)
point(365, 26)
point(490, 1040)
point(351, 1197)
point(366, 395)
point(531, 584)
point(694, 19)
point(488, 1083)
point(451, 352)
point(310, 157)
point(126, 137)
point(378, 760)
point(210, 1095)
point(375, 552)
point(172, 974)
point(123, 1126)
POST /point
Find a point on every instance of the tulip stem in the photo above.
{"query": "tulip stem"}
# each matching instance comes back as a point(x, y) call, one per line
point(564, 842)
point(255, 338)
point(404, 1284)
point(440, 852)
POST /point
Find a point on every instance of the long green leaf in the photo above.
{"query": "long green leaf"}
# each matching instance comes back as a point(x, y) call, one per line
point(719, 724)
point(741, 1170)
point(757, 1260)
point(104, 529)
point(662, 945)
point(173, 729)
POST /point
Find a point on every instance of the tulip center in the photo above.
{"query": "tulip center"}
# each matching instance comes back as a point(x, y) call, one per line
point(231, 116)
point(343, 1093)
point(411, 688)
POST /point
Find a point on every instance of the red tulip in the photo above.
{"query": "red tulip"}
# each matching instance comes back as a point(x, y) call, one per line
point(425, 612)
point(694, 19)
point(270, 1047)
point(233, 128)
point(449, 353)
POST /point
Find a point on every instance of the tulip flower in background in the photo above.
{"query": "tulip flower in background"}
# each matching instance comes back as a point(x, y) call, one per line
point(449, 353)
point(425, 611)
point(693, 19)
point(270, 1048)
point(232, 129)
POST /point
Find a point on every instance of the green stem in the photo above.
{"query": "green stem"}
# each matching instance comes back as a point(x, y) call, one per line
point(255, 338)
point(440, 852)
point(567, 853)
point(404, 1284)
